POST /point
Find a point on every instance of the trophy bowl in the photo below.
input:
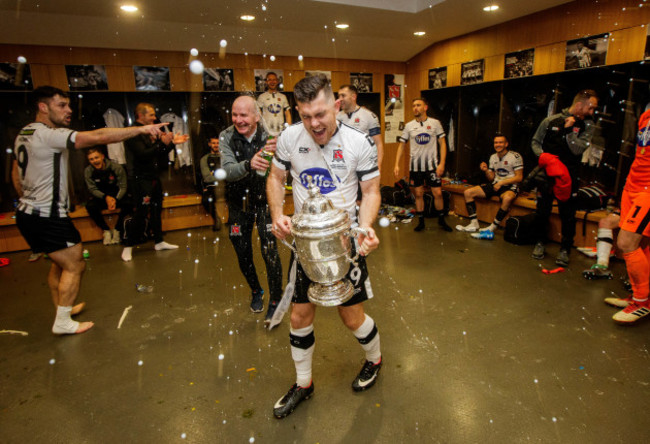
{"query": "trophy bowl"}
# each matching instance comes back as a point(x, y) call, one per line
point(323, 243)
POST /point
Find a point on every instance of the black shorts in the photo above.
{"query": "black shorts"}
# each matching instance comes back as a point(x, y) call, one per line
point(489, 191)
point(357, 275)
point(421, 178)
point(46, 235)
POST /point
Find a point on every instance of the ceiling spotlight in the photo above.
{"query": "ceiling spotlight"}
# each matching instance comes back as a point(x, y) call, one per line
point(129, 8)
point(491, 8)
point(247, 18)
point(342, 26)
point(419, 33)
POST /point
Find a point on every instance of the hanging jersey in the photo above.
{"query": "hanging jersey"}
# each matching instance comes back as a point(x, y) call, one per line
point(362, 119)
point(505, 167)
point(42, 155)
point(423, 137)
point(273, 106)
point(638, 180)
point(350, 155)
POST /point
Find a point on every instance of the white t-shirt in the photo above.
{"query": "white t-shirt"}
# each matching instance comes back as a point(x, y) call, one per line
point(350, 155)
point(272, 107)
point(42, 155)
point(362, 119)
point(423, 137)
point(505, 167)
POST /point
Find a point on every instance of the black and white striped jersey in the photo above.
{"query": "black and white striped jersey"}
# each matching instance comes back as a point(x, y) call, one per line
point(423, 137)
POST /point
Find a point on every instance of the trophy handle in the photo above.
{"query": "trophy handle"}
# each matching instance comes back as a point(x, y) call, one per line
point(289, 246)
point(352, 233)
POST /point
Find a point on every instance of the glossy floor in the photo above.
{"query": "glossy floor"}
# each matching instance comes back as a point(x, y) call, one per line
point(479, 346)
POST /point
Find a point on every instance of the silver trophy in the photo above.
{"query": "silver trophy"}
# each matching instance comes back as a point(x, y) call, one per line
point(322, 236)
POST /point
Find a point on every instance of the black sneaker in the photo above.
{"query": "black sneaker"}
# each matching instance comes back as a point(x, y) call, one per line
point(367, 376)
point(562, 258)
point(288, 403)
point(257, 303)
point(538, 251)
point(269, 313)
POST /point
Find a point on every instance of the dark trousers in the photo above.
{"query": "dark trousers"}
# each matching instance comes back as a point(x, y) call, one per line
point(95, 206)
point(567, 212)
point(148, 196)
point(241, 235)
point(211, 194)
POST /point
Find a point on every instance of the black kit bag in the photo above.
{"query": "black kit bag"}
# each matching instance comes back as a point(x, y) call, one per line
point(591, 198)
point(520, 229)
point(398, 195)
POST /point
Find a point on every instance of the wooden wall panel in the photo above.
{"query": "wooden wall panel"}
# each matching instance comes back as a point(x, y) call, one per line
point(493, 68)
point(626, 45)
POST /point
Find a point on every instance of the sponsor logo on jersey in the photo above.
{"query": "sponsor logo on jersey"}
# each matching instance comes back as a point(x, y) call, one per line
point(319, 177)
point(644, 137)
point(337, 156)
point(303, 150)
point(274, 108)
point(555, 128)
point(423, 139)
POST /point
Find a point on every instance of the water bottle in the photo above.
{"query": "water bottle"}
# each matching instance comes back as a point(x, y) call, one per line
point(487, 234)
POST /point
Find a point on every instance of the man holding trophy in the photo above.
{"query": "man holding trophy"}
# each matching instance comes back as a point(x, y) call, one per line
point(336, 158)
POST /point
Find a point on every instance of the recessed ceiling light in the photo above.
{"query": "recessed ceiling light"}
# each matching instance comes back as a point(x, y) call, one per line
point(129, 8)
point(491, 8)
point(419, 33)
point(247, 18)
point(343, 26)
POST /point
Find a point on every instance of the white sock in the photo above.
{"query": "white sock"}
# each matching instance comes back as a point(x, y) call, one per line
point(127, 254)
point(63, 323)
point(604, 245)
point(165, 246)
point(302, 357)
point(490, 227)
point(371, 347)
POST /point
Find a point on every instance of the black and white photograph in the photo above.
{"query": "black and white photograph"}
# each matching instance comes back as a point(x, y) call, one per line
point(87, 77)
point(362, 81)
point(313, 72)
point(152, 78)
point(519, 64)
point(15, 77)
point(438, 78)
point(218, 79)
point(586, 52)
point(260, 79)
point(471, 72)
point(647, 43)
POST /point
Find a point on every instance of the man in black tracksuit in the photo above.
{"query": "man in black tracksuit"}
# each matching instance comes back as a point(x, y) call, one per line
point(145, 158)
point(566, 135)
point(246, 197)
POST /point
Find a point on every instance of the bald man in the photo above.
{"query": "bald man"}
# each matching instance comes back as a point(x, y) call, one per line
point(241, 144)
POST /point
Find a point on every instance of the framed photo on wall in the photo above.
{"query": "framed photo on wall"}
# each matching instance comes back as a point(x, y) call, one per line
point(472, 72)
point(586, 52)
point(152, 78)
point(438, 78)
point(15, 77)
point(218, 79)
point(86, 77)
point(647, 42)
point(519, 64)
point(260, 79)
point(362, 81)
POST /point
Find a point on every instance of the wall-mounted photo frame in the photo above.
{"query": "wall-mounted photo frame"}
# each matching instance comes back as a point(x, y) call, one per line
point(152, 78)
point(87, 77)
point(362, 81)
point(647, 43)
point(15, 77)
point(438, 78)
point(586, 52)
point(519, 64)
point(215, 79)
point(472, 72)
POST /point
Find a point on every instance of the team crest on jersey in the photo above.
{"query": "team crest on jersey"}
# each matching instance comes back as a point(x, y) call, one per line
point(235, 230)
point(505, 162)
point(146, 200)
point(428, 127)
point(303, 150)
point(356, 120)
point(319, 177)
point(576, 130)
point(423, 139)
point(338, 156)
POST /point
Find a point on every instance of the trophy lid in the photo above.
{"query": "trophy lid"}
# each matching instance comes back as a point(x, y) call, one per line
point(318, 214)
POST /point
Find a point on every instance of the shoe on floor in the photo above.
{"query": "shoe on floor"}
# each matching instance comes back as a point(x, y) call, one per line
point(108, 237)
point(367, 376)
point(34, 257)
point(269, 313)
point(288, 403)
point(632, 313)
point(538, 251)
point(597, 271)
point(619, 302)
point(562, 258)
point(469, 228)
point(115, 237)
point(257, 301)
point(164, 246)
